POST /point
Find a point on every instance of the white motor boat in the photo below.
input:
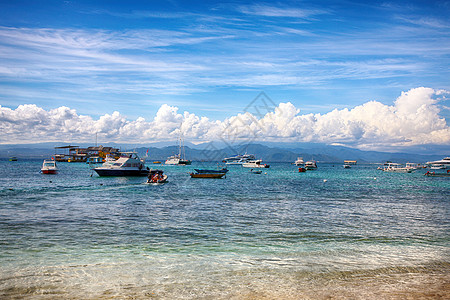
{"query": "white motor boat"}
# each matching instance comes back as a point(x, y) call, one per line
point(311, 165)
point(49, 167)
point(440, 164)
point(239, 159)
point(397, 168)
point(128, 164)
point(180, 158)
point(299, 161)
point(255, 164)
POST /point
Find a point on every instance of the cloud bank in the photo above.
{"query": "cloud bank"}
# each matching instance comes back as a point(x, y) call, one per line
point(413, 119)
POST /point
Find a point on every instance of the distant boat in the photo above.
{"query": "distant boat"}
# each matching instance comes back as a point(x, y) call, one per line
point(49, 167)
point(156, 176)
point(299, 161)
point(180, 158)
point(311, 165)
point(207, 175)
point(441, 164)
point(255, 164)
point(223, 170)
point(13, 158)
point(239, 159)
point(396, 168)
point(438, 174)
point(255, 171)
point(94, 160)
point(128, 164)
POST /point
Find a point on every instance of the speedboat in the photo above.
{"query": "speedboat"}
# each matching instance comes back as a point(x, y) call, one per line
point(156, 176)
point(239, 159)
point(49, 167)
point(128, 164)
point(311, 165)
point(255, 164)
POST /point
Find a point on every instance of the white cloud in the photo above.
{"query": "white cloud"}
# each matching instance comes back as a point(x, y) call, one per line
point(413, 119)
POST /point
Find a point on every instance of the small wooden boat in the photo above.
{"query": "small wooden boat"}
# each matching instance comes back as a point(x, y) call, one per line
point(207, 175)
point(156, 176)
point(49, 167)
point(223, 170)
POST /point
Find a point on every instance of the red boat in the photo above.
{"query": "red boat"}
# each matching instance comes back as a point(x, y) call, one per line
point(49, 167)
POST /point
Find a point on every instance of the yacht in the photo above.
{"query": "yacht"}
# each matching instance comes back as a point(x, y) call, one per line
point(239, 159)
point(128, 164)
point(441, 164)
point(311, 165)
point(299, 161)
point(178, 159)
point(255, 164)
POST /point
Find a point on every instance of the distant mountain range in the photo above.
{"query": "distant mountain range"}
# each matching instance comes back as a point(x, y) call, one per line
point(210, 152)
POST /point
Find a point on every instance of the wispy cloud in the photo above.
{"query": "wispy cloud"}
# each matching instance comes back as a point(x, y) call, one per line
point(279, 11)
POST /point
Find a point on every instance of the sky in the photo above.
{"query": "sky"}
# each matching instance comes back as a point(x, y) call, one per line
point(372, 75)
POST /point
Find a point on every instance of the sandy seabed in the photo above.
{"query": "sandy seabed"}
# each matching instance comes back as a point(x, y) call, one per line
point(244, 284)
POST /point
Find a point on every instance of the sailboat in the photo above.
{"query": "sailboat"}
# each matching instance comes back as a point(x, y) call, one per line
point(180, 158)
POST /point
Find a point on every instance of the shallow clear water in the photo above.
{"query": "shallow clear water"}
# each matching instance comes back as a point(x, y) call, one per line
point(332, 232)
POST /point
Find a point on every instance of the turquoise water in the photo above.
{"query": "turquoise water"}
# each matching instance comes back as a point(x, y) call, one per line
point(332, 232)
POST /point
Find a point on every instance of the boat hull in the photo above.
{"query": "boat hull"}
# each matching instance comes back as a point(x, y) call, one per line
point(211, 171)
point(207, 175)
point(46, 171)
point(120, 172)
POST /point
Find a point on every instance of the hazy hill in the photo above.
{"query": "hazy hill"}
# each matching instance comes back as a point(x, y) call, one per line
point(205, 152)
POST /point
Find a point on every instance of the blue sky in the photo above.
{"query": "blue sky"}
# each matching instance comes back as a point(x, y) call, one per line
point(213, 58)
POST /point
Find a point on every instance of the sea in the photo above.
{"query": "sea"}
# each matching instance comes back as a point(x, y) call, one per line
point(332, 233)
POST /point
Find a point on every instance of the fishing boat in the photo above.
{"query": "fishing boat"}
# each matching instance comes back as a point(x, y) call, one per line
point(156, 177)
point(207, 175)
point(239, 159)
point(128, 164)
point(438, 174)
point(311, 165)
point(223, 170)
point(255, 164)
point(49, 167)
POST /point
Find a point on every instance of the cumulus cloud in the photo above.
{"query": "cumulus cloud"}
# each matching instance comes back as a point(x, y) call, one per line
point(413, 119)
